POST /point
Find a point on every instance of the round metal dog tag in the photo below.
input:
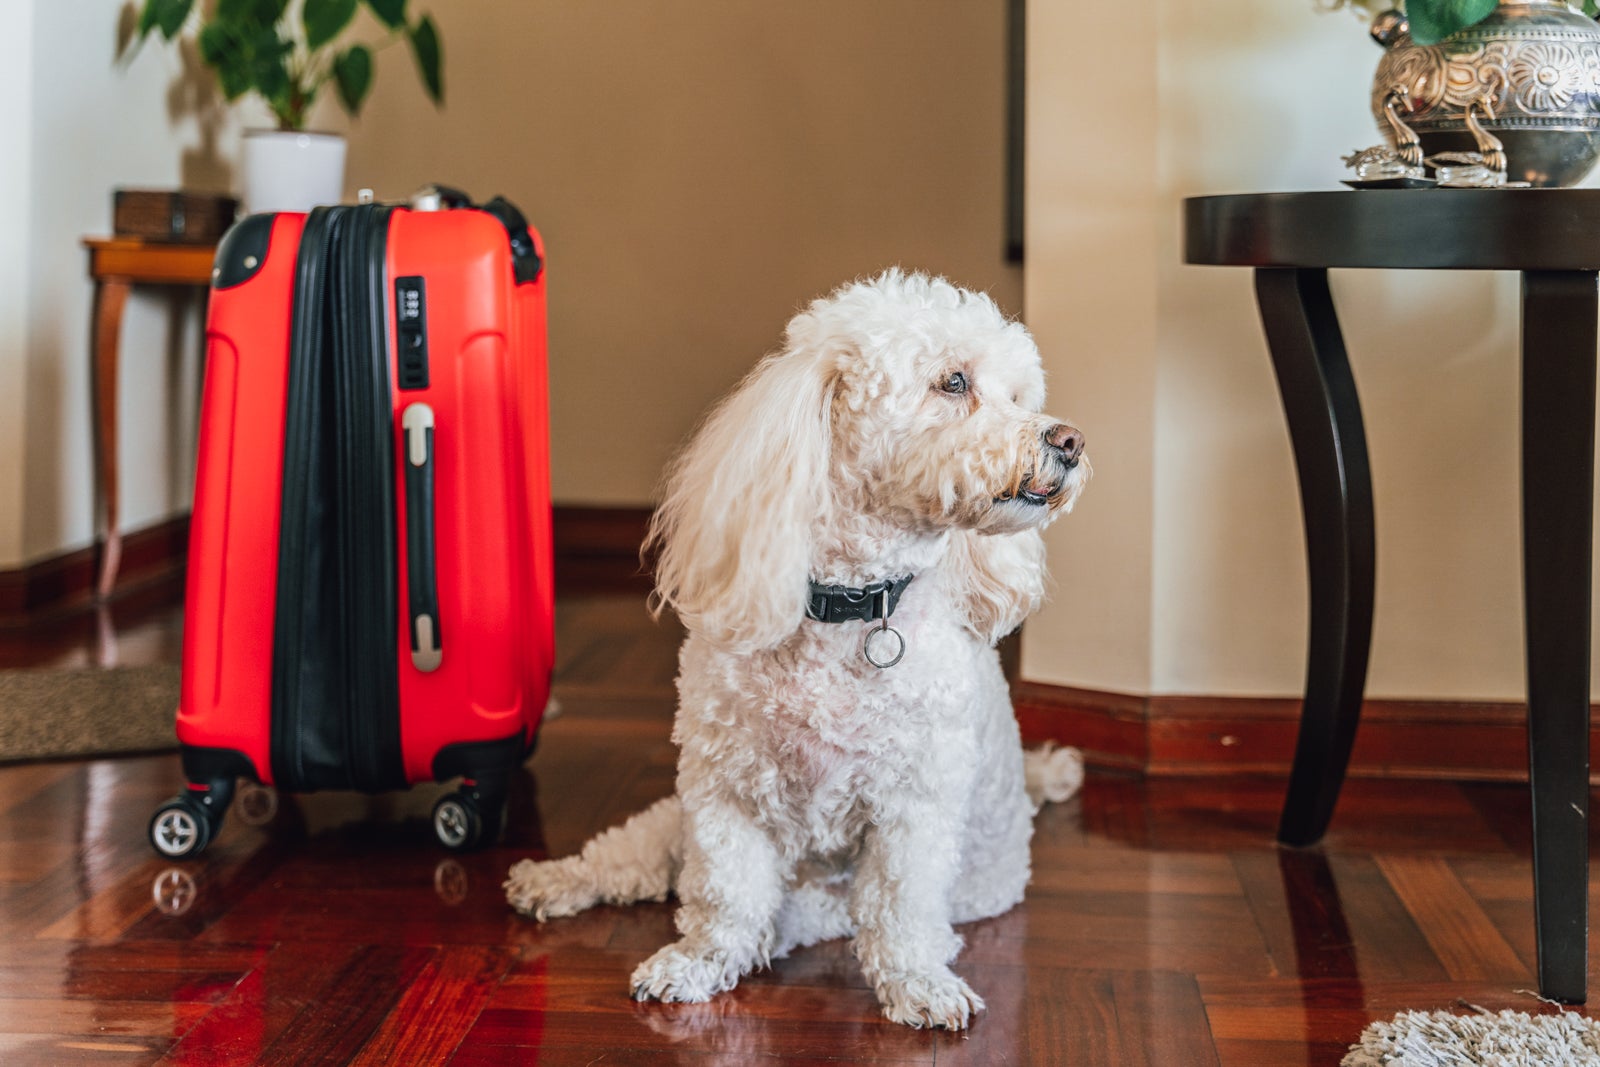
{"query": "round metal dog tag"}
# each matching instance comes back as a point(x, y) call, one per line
point(882, 658)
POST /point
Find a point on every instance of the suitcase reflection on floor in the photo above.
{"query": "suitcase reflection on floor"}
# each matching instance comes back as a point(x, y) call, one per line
point(342, 829)
point(175, 890)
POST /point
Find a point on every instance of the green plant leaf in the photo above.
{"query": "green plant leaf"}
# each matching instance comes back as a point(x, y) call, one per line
point(352, 73)
point(267, 56)
point(223, 51)
point(1591, 8)
point(250, 15)
point(264, 12)
point(168, 16)
point(1434, 20)
point(425, 45)
point(248, 54)
point(326, 19)
point(392, 13)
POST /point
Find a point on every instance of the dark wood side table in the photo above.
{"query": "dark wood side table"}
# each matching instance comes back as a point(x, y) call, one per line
point(117, 265)
point(1553, 238)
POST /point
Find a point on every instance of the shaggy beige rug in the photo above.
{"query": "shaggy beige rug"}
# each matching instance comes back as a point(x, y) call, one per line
point(47, 714)
point(1485, 1039)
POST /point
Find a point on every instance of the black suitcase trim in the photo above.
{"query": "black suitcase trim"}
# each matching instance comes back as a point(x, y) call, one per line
point(480, 759)
point(203, 764)
point(335, 681)
point(242, 252)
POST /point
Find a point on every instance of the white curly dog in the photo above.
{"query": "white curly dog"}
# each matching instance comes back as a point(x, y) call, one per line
point(897, 434)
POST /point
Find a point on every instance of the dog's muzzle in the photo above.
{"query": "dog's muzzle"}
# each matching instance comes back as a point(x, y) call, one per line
point(1065, 441)
point(1060, 449)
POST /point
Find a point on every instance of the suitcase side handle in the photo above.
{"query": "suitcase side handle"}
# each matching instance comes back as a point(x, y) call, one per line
point(526, 263)
point(427, 648)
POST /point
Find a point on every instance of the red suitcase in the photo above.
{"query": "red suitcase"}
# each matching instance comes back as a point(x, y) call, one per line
point(369, 600)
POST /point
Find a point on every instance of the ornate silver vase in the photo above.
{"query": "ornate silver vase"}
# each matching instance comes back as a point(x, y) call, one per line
point(1529, 74)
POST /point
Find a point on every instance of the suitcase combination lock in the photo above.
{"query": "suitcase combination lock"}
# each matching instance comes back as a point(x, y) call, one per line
point(411, 331)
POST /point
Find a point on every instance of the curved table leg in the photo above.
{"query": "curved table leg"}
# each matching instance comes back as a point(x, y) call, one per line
point(111, 295)
point(1558, 393)
point(1330, 454)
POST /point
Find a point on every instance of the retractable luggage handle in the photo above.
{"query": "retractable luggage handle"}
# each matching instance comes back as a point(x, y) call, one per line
point(526, 263)
point(427, 647)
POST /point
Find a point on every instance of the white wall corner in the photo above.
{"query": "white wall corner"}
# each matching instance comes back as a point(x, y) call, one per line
point(100, 123)
point(16, 189)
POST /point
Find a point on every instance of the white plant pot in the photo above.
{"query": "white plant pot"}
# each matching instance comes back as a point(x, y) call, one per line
point(290, 170)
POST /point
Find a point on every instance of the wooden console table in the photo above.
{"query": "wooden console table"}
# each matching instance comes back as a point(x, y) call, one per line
point(117, 265)
point(1552, 236)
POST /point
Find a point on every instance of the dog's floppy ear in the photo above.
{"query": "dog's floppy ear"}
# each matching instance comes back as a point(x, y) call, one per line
point(999, 578)
point(732, 535)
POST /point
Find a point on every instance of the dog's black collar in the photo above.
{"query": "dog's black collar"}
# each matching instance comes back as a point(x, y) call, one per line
point(840, 603)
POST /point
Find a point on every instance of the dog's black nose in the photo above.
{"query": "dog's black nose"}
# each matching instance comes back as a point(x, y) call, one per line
point(1069, 439)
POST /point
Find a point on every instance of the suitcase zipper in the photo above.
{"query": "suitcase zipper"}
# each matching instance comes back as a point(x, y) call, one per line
point(335, 671)
point(300, 479)
point(367, 450)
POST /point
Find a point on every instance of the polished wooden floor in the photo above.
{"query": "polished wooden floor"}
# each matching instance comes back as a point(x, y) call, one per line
point(1162, 928)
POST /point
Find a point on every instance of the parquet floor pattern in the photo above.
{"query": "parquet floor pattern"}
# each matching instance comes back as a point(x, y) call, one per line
point(1162, 927)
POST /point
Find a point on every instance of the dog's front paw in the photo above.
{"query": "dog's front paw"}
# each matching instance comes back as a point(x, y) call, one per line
point(677, 974)
point(938, 999)
point(550, 890)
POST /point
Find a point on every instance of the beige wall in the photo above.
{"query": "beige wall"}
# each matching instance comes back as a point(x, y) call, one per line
point(1188, 547)
point(699, 168)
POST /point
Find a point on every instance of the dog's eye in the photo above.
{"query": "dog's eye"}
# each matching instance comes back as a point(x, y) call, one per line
point(955, 383)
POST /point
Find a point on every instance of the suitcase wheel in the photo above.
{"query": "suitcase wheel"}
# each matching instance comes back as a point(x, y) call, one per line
point(185, 825)
point(462, 821)
point(181, 828)
point(257, 804)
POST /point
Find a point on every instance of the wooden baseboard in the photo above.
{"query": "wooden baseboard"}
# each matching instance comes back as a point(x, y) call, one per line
point(63, 583)
point(1192, 735)
point(597, 549)
point(1110, 728)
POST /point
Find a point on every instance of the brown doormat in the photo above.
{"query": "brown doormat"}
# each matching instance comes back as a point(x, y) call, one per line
point(50, 714)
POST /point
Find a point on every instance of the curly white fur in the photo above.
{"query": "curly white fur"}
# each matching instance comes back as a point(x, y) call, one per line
point(898, 431)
